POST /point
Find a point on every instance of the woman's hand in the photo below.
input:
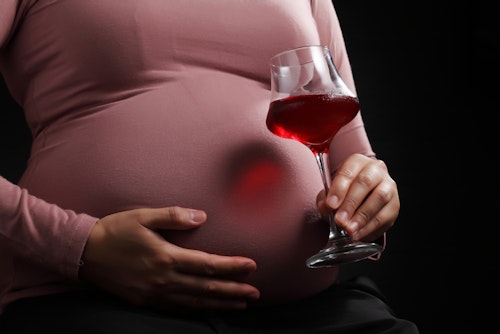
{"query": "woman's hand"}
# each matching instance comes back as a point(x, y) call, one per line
point(364, 196)
point(127, 257)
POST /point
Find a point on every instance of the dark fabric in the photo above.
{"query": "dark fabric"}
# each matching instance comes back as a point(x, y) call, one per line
point(355, 306)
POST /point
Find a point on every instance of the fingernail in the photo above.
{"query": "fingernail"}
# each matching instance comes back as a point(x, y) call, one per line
point(250, 266)
point(197, 216)
point(353, 228)
point(332, 201)
point(254, 295)
point(341, 216)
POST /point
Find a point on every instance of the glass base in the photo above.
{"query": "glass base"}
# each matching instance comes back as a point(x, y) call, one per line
point(343, 250)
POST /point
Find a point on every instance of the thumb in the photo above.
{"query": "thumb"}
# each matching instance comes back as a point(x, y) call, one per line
point(171, 218)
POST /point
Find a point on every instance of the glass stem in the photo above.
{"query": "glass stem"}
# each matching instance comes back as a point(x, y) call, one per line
point(324, 168)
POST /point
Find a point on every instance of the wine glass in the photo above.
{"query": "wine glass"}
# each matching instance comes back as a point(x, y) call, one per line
point(310, 103)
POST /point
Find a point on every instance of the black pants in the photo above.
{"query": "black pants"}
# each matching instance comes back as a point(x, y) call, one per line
point(355, 306)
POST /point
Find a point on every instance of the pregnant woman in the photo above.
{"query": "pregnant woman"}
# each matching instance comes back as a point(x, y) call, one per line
point(155, 199)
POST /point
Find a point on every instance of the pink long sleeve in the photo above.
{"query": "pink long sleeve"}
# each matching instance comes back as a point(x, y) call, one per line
point(352, 137)
point(50, 239)
point(44, 233)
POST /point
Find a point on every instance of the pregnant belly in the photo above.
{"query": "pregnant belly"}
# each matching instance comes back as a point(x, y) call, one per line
point(258, 190)
point(278, 237)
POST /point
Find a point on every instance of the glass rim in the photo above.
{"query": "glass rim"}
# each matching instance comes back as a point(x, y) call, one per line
point(273, 60)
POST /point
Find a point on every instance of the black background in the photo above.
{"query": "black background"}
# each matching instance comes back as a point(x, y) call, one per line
point(427, 78)
point(426, 75)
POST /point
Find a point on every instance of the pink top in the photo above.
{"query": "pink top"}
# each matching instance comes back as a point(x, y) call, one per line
point(159, 103)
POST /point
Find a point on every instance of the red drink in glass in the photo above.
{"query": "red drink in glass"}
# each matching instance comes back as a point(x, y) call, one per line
point(311, 119)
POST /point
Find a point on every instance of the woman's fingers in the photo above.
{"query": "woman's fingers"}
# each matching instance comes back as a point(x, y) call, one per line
point(364, 196)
